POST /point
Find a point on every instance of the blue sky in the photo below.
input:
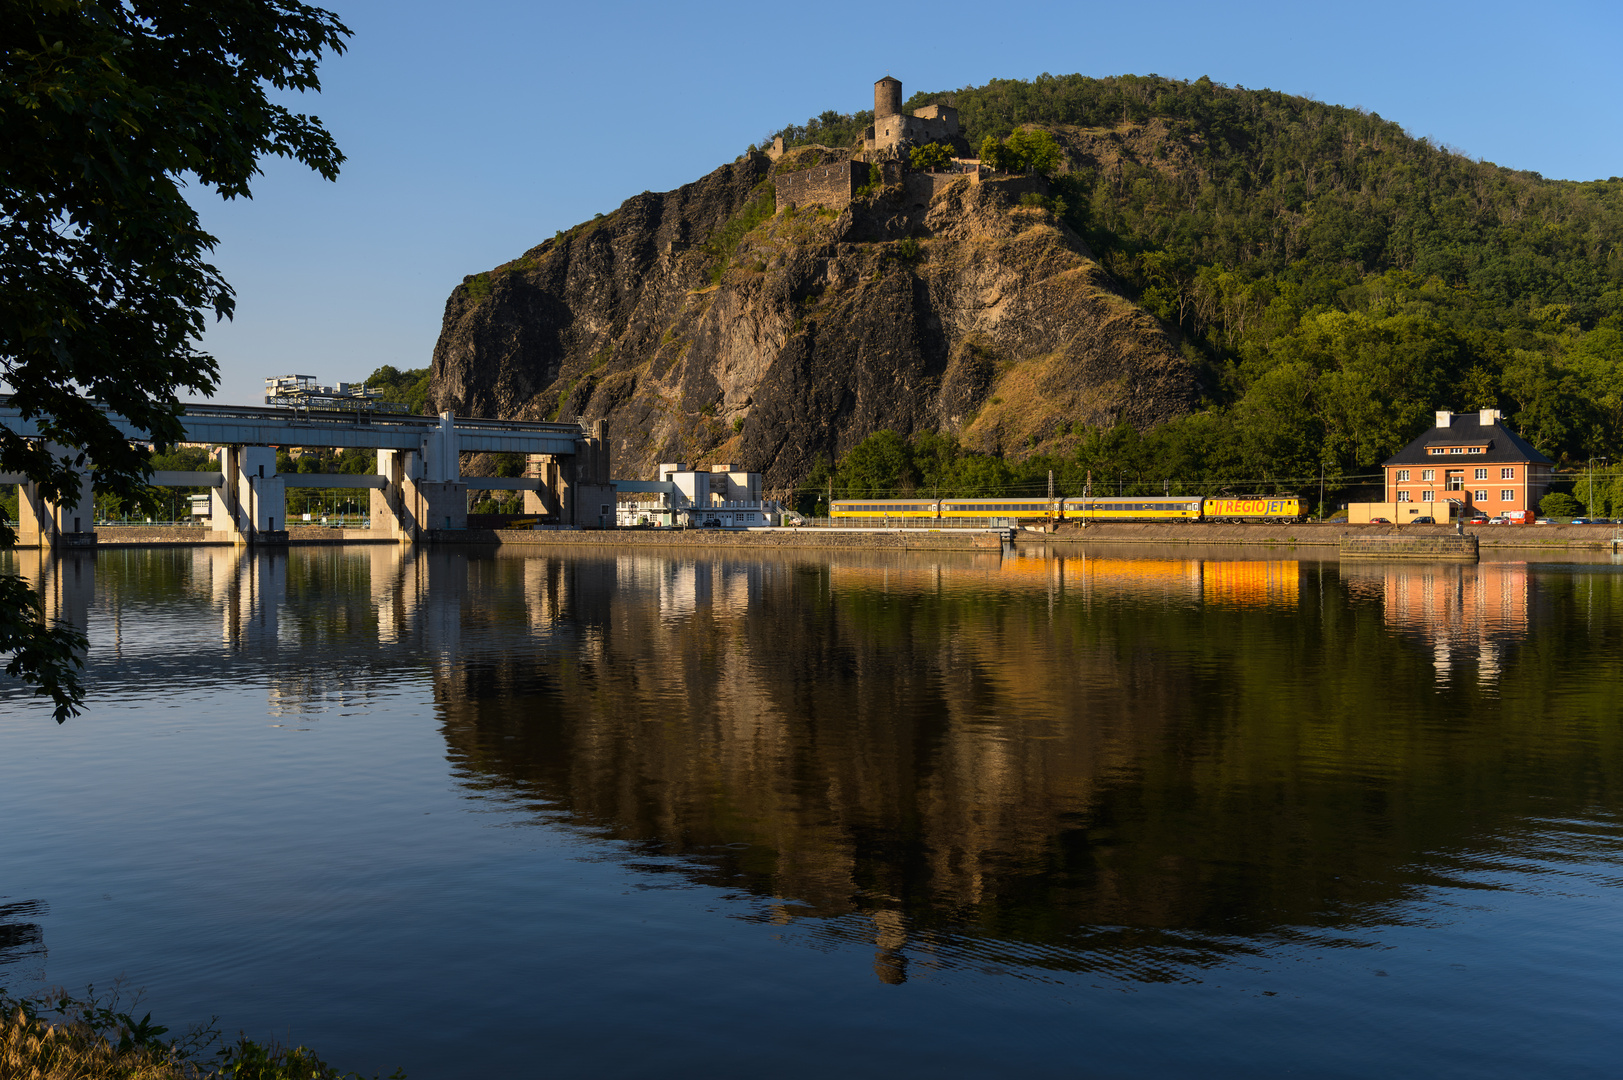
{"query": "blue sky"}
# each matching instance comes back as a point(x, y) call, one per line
point(476, 130)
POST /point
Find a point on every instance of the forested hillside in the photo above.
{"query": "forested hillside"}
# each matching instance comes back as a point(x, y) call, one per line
point(1334, 278)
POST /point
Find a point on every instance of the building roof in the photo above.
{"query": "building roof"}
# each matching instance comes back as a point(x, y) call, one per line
point(1501, 444)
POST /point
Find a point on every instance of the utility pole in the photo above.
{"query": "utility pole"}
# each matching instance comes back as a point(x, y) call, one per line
point(1321, 489)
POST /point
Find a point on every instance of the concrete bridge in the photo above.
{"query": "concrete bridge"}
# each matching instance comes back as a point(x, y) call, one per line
point(418, 485)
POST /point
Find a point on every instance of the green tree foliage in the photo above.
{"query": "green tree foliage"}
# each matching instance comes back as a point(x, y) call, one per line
point(829, 128)
point(998, 157)
point(408, 388)
point(104, 281)
point(930, 156)
point(1559, 504)
point(1026, 150)
point(1035, 150)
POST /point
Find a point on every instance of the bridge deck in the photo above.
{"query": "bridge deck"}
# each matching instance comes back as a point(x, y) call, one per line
point(244, 425)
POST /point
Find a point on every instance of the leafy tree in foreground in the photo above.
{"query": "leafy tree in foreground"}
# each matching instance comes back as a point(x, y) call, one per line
point(104, 109)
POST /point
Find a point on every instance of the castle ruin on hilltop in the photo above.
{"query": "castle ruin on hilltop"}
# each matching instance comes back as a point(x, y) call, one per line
point(886, 146)
point(893, 130)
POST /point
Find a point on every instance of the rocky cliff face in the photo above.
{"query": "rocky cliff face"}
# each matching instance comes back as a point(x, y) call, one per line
point(965, 312)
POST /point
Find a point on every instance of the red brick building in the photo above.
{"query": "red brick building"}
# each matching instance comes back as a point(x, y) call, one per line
point(1468, 459)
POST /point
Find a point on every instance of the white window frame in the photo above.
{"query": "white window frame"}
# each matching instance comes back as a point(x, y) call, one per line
point(1403, 496)
point(1507, 474)
point(1507, 494)
point(1428, 475)
point(1479, 496)
point(1482, 474)
point(1428, 496)
point(1403, 476)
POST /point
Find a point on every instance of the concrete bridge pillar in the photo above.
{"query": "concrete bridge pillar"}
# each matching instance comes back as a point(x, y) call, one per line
point(578, 488)
point(250, 505)
point(423, 488)
point(71, 522)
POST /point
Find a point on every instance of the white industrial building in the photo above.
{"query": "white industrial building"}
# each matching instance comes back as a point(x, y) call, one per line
point(724, 496)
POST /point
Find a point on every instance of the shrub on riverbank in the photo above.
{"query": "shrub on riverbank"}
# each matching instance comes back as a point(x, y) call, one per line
point(59, 1037)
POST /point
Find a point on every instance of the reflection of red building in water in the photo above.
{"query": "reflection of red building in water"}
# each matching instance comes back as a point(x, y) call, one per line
point(1462, 610)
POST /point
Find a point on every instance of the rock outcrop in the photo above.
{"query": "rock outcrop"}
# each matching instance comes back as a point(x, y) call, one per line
point(949, 307)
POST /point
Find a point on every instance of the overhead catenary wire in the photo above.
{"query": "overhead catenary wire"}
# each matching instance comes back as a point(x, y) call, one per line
point(1038, 488)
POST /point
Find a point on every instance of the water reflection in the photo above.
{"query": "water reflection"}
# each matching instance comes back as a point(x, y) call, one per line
point(1137, 767)
point(22, 941)
point(1466, 614)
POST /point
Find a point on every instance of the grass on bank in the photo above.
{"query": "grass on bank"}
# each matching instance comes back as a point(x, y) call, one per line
point(60, 1037)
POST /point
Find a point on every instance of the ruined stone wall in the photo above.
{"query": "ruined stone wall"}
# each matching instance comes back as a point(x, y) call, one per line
point(831, 185)
point(922, 188)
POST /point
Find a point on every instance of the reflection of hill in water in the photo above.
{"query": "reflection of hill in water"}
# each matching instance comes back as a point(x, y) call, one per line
point(1136, 752)
point(962, 758)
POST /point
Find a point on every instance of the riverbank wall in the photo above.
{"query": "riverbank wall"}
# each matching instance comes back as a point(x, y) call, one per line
point(1446, 548)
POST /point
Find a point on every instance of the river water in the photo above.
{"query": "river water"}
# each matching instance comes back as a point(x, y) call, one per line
point(1110, 813)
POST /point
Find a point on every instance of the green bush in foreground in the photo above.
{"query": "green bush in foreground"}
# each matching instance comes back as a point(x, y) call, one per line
point(59, 1037)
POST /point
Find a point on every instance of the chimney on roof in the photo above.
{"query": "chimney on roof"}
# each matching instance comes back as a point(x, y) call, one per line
point(1489, 417)
point(1444, 418)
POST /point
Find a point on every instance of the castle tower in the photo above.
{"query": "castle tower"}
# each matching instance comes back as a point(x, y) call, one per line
point(887, 97)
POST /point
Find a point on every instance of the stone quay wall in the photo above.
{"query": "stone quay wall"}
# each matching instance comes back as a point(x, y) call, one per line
point(1432, 548)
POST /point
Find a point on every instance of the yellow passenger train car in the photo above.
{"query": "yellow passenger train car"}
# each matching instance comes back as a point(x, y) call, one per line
point(1253, 508)
point(989, 509)
point(880, 509)
point(1134, 508)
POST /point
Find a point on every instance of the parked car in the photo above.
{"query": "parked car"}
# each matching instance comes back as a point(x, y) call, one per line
point(1480, 519)
point(1583, 521)
point(1424, 521)
point(1379, 521)
point(1543, 521)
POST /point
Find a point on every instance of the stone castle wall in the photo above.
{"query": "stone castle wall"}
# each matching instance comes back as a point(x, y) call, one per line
point(830, 185)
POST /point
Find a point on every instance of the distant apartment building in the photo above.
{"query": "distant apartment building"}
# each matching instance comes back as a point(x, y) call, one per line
point(1467, 463)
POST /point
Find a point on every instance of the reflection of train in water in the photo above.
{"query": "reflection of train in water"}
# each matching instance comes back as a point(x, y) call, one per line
point(1112, 508)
